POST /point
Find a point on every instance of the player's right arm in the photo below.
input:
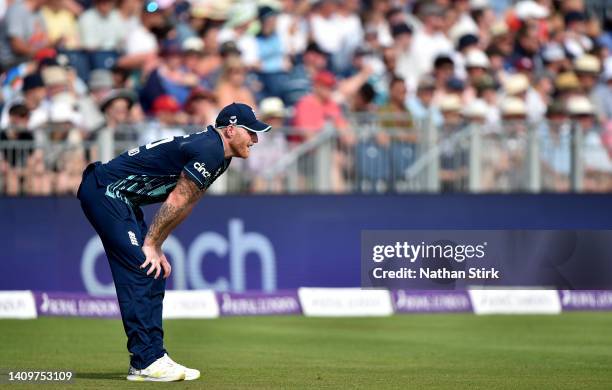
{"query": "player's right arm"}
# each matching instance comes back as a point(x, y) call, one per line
point(172, 212)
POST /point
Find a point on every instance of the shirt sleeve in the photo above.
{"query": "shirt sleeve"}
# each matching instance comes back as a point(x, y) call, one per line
point(203, 166)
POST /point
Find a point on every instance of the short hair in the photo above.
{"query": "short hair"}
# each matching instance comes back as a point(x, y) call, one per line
point(19, 110)
point(367, 92)
point(396, 80)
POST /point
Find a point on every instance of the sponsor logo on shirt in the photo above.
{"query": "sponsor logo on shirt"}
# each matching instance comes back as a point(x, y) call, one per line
point(202, 169)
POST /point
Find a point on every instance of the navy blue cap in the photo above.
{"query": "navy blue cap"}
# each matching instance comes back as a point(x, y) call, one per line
point(241, 115)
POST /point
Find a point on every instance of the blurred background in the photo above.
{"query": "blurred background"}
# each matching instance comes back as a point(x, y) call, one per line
point(374, 96)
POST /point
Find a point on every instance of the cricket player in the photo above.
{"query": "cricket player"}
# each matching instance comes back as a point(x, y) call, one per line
point(176, 171)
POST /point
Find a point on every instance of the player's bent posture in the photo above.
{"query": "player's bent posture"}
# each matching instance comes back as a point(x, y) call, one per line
point(175, 171)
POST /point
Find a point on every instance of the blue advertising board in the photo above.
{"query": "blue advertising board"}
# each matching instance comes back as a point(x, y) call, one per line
point(269, 243)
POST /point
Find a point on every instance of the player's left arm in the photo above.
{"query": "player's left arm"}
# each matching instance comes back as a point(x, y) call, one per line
point(172, 212)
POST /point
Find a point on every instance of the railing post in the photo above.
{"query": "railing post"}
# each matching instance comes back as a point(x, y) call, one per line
point(323, 162)
point(533, 160)
point(577, 163)
point(106, 144)
point(475, 162)
point(432, 172)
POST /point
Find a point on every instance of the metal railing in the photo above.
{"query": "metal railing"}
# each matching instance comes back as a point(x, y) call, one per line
point(373, 154)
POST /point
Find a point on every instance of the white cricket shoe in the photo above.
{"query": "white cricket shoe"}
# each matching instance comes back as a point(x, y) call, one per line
point(190, 373)
point(158, 371)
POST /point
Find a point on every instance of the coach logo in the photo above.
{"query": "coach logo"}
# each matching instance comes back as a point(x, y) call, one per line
point(202, 169)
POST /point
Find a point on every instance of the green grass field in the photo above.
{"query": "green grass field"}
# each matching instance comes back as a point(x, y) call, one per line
point(570, 351)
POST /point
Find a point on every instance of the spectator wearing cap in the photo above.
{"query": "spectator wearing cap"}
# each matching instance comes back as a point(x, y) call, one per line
point(421, 105)
point(465, 44)
point(116, 106)
point(101, 27)
point(61, 25)
point(23, 33)
point(231, 86)
point(201, 106)
point(429, 41)
point(33, 95)
point(577, 42)
point(272, 64)
point(299, 80)
point(167, 120)
point(271, 147)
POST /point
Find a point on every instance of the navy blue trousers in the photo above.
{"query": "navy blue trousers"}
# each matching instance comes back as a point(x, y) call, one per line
point(122, 229)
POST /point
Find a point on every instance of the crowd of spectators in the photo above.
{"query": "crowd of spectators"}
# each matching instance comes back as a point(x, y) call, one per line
point(75, 71)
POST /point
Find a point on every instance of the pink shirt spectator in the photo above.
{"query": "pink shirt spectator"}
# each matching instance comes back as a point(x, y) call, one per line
point(312, 114)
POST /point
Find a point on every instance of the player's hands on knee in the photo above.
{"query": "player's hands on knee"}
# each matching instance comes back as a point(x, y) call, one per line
point(156, 261)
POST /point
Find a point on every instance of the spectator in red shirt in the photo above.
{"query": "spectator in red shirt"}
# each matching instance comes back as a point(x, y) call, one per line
point(314, 111)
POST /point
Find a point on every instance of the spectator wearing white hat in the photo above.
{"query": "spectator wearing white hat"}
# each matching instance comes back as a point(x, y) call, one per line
point(587, 68)
point(271, 147)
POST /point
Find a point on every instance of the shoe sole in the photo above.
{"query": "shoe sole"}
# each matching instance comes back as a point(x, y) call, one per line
point(144, 378)
point(192, 378)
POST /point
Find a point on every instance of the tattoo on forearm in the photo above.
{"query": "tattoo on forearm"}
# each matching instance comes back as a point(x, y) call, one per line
point(170, 215)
